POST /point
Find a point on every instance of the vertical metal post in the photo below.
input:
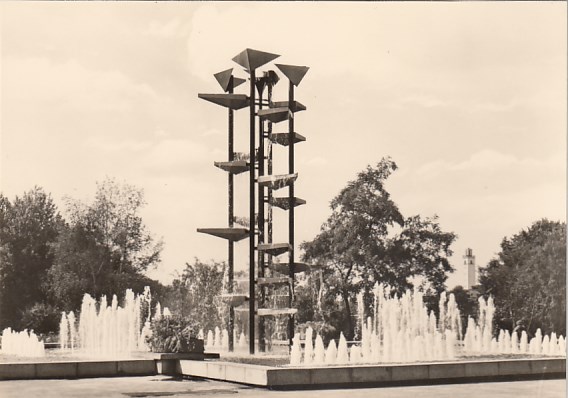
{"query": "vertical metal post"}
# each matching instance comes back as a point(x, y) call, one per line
point(231, 218)
point(269, 172)
point(269, 194)
point(291, 210)
point(261, 331)
point(252, 298)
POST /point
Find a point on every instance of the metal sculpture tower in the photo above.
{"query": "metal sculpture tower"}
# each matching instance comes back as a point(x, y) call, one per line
point(264, 276)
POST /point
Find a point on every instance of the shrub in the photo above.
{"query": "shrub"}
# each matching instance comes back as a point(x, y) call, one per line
point(174, 334)
point(41, 318)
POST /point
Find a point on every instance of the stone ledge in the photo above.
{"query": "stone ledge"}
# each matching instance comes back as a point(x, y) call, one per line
point(296, 377)
point(97, 369)
point(17, 371)
point(77, 369)
point(372, 375)
point(194, 356)
point(56, 370)
point(137, 368)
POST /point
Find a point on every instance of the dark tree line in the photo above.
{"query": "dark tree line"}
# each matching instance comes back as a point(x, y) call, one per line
point(528, 278)
point(48, 261)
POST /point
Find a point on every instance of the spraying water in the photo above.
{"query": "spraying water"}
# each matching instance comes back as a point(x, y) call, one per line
point(111, 329)
point(403, 330)
point(24, 344)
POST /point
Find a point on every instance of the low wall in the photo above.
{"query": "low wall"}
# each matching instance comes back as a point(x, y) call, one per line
point(365, 375)
point(77, 369)
point(294, 377)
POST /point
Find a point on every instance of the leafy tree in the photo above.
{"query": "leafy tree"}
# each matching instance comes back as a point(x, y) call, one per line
point(29, 227)
point(420, 250)
point(467, 302)
point(367, 240)
point(528, 278)
point(43, 318)
point(195, 294)
point(318, 307)
point(104, 248)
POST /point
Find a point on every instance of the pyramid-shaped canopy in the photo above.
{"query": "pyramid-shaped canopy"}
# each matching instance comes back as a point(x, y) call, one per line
point(277, 181)
point(251, 59)
point(274, 249)
point(284, 203)
point(232, 101)
point(234, 166)
point(232, 234)
point(293, 72)
point(224, 78)
point(278, 280)
point(275, 115)
point(276, 311)
point(284, 138)
point(237, 81)
point(295, 107)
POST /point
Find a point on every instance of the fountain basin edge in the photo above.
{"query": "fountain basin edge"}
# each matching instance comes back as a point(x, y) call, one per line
point(375, 375)
point(295, 377)
point(159, 363)
point(78, 369)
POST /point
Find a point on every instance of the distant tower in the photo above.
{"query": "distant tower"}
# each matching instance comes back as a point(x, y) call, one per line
point(469, 262)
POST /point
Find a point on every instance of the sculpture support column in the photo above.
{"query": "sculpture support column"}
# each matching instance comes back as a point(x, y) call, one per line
point(252, 160)
point(261, 331)
point(291, 210)
point(231, 254)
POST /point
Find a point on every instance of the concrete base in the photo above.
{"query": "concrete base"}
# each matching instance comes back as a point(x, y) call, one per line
point(77, 369)
point(295, 377)
point(158, 363)
point(375, 375)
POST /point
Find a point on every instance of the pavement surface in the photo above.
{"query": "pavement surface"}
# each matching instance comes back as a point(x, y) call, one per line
point(163, 386)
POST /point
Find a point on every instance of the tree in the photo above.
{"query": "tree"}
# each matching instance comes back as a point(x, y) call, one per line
point(104, 248)
point(467, 303)
point(195, 294)
point(360, 245)
point(318, 306)
point(29, 228)
point(528, 278)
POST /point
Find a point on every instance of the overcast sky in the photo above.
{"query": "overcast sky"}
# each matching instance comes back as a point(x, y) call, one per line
point(468, 98)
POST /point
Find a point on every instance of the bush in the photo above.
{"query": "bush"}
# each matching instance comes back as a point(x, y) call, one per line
point(41, 318)
point(173, 334)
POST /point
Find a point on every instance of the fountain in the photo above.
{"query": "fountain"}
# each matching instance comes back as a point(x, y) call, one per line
point(342, 352)
point(67, 332)
point(25, 344)
point(110, 329)
point(217, 340)
point(309, 347)
point(399, 330)
point(331, 353)
point(402, 330)
point(242, 345)
point(296, 352)
point(319, 351)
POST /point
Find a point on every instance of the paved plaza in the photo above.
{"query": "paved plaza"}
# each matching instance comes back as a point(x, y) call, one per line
point(163, 386)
